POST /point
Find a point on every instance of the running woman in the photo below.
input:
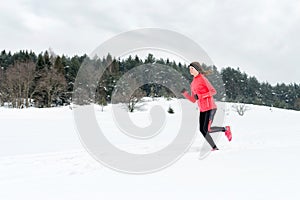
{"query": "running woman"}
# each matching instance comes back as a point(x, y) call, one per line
point(203, 92)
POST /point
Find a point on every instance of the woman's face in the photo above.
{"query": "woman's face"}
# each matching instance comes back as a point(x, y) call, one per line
point(193, 71)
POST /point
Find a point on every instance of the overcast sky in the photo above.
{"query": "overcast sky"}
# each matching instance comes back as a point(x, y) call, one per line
point(261, 37)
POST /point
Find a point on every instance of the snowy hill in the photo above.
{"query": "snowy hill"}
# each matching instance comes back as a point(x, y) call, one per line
point(41, 157)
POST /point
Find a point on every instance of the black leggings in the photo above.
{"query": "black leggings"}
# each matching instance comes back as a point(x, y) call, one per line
point(205, 120)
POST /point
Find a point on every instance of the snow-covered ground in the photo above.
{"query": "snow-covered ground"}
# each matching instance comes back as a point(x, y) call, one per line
point(41, 157)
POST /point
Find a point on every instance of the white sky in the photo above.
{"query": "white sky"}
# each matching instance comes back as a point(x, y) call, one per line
point(259, 36)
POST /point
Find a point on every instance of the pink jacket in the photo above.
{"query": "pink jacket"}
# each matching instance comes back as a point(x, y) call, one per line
point(204, 90)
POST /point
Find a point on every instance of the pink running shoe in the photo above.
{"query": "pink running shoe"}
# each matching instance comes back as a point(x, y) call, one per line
point(228, 133)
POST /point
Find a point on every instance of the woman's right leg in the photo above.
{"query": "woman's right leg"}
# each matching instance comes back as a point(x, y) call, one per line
point(203, 123)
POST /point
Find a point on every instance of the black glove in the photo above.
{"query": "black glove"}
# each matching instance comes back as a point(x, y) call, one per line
point(196, 96)
point(183, 90)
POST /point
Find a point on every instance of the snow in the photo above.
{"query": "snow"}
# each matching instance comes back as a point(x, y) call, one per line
point(41, 157)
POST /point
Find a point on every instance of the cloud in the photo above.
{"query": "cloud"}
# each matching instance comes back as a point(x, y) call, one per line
point(259, 36)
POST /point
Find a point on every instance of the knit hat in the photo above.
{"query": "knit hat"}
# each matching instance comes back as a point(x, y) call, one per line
point(200, 69)
point(197, 66)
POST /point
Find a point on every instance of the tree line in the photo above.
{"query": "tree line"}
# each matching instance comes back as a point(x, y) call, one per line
point(247, 89)
point(47, 80)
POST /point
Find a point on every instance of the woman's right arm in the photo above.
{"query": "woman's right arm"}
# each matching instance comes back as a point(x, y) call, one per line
point(188, 96)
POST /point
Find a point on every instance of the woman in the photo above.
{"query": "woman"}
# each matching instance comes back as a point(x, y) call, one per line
point(203, 91)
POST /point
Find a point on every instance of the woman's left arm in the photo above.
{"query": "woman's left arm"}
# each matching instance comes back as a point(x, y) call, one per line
point(211, 90)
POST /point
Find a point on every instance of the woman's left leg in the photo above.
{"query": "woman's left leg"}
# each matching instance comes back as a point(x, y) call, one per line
point(211, 119)
point(216, 128)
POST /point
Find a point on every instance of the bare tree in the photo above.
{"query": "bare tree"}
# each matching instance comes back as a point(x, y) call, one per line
point(18, 80)
point(13, 84)
point(51, 83)
point(134, 99)
point(2, 87)
point(85, 87)
point(28, 74)
point(123, 94)
point(240, 108)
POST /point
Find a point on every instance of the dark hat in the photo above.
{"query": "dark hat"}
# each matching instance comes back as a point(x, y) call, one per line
point(200, 69)
point(197, 66)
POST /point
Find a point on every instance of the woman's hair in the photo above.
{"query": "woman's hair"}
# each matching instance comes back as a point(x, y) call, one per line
point(200, 68)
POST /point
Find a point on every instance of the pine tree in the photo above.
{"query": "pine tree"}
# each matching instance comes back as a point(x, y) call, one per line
point(103, 103)
point(58, 65)
point(150, 59)
point(47, 60)
point(40, 62)
point(170, 110)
